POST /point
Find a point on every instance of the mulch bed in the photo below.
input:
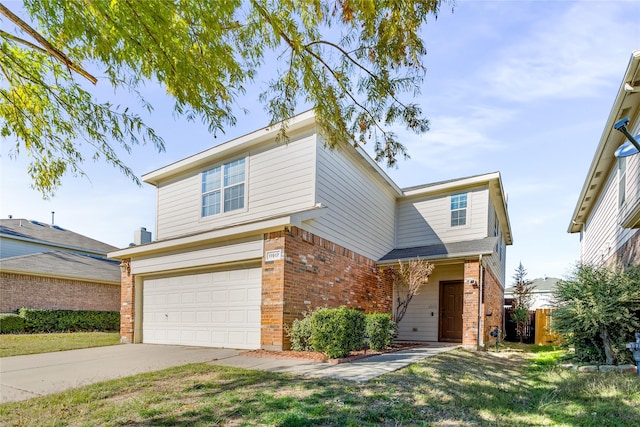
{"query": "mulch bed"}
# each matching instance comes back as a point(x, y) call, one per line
point(321, 357)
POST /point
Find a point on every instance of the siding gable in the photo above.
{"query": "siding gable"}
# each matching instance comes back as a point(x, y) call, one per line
point(360, 203)
point(279, 179)
point(426, 220)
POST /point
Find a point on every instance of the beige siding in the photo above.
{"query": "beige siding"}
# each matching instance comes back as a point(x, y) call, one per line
point(497, 260)
point(360, 205)
point(427, 220)
point(419, 313)
point(227, 252)
point(602, 233)
point(280, 179)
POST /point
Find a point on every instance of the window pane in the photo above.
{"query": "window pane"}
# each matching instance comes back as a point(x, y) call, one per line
point(458, 209)
point(234, 198)
point(234, 172)
point(211, 180)
point(211, 204)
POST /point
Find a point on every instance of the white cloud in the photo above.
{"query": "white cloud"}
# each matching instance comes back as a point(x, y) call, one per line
point(573, 54)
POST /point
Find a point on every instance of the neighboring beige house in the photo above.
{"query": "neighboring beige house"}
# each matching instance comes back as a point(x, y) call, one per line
point(45, 266)
point(252, 233)
point(542, 293)
point(607, 214)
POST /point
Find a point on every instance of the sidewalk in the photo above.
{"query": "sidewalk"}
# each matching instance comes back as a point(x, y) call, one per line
point(24, 377)
point(360, 370)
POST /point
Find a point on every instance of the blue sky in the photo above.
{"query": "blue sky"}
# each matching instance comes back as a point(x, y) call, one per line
point(520, 87)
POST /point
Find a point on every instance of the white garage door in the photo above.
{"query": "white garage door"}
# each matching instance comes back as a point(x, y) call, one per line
point(217, 309)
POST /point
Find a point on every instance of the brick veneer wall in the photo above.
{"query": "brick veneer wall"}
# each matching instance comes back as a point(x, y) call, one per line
point(470, 294)
point(127, 294)
point(493, 305)
point(19, 290)
point(312, 273)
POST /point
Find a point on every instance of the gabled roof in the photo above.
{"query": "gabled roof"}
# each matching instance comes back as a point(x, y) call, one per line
point(64, 265)
point(626, 104)
point(493, 180)
point(301, 122)
point(442, 250)
point(51, 235)
point(541, 285)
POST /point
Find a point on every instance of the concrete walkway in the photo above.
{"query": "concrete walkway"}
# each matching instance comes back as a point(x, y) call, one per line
point(24, 377)
point(360, 370)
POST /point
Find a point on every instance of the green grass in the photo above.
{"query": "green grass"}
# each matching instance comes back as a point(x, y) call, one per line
point(15, 345)
point(462, 388)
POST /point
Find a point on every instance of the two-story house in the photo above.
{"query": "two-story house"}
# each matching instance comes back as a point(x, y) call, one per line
point(44, 266)
point(252, 233)
point(607, 214)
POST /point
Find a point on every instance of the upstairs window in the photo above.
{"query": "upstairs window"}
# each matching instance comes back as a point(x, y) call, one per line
point(458, 209)
point(223, 188)
point(622, 180)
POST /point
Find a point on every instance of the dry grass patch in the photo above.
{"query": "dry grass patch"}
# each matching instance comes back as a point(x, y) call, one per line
point(458, 388)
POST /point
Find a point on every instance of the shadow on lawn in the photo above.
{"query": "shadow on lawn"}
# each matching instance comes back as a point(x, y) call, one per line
point(454, 388)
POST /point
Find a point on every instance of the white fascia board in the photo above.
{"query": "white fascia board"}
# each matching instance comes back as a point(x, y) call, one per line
point(226, 233)
point(603, 157)
point(448, 257)
point(447, 186)
point(226, 149)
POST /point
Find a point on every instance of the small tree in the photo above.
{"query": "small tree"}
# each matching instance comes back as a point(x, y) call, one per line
point(522, 299)
point(407, 279)
point(597, 310)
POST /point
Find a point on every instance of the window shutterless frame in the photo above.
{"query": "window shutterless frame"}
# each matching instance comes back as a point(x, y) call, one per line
point(458, 209)
point(223, 188)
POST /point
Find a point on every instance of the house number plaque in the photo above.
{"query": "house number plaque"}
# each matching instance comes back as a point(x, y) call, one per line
point(273, 255)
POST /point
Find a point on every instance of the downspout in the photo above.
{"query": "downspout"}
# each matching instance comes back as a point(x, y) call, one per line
point(480, 326)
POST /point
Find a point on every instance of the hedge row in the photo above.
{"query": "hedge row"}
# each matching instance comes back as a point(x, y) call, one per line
point(36, 321)
point(338, 331)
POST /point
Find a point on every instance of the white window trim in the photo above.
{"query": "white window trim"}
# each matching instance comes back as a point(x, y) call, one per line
point(467, 223)
point(222, 213)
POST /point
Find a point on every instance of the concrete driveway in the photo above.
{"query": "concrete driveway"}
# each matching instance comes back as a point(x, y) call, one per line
point(24, 377)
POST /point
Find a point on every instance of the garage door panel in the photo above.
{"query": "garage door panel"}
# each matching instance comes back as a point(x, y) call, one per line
point(219, 309)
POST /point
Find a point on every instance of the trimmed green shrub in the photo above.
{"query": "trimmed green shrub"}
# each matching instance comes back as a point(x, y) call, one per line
point(11, 324)
point(69, 320)
point(337, 331)
point(380, 329)
point(300, 333)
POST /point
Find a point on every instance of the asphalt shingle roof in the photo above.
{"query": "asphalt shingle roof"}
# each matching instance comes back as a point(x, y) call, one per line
point(64, 264)
point(36, 231)
point(444, 250)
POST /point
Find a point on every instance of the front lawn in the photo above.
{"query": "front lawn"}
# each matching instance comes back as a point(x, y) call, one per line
point(460, 388)
point(18, 344)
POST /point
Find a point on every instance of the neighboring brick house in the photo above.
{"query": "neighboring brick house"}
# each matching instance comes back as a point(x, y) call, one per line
point(607, 214)
point(252, 233)
point(47, 267)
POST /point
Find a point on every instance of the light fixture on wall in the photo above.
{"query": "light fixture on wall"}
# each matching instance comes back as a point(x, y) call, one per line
point(125, 267)
point(632, 146)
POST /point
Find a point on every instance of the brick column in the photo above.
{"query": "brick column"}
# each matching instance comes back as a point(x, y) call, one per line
point(470, 295)
point(271, 309)
point(127, 300)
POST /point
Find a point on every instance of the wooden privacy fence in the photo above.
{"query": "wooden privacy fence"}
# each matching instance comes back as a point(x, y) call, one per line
point(544, 334)
point(537, 331)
